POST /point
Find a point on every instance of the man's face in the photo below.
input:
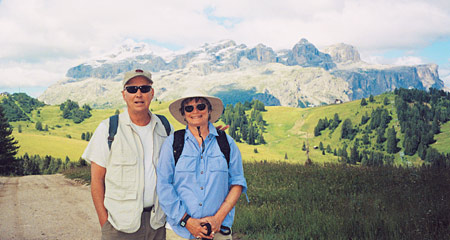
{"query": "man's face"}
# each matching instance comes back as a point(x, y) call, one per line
point(138, 102)
point(196, 117)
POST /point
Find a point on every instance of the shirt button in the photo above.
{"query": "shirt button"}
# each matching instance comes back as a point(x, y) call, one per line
point(201, 188)
point(201, 172)
point(201, 204)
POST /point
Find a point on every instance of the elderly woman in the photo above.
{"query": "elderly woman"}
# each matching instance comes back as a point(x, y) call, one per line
point(197, 186)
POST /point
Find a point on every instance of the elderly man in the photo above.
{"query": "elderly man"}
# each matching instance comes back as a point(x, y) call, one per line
point(123, 156)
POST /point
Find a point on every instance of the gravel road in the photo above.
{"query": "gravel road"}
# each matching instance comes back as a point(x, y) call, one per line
point(46, 207)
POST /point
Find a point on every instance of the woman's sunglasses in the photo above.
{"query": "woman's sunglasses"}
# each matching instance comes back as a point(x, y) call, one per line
point(190, 108)
point(134, 89)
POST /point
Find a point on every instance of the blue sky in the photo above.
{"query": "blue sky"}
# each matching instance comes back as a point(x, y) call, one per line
point(47, 37)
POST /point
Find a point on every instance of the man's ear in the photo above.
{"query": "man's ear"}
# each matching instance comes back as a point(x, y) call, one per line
point(152, 92)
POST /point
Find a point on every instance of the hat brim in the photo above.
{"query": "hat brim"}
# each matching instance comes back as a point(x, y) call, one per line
point(216, 105)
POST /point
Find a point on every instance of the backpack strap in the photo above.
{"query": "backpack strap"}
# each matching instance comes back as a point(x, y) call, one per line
point(178, 144)
point(165, 122)
point(113, 124)
point(224, 146)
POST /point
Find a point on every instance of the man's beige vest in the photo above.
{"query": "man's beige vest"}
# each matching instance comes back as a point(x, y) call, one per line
point(124, 179)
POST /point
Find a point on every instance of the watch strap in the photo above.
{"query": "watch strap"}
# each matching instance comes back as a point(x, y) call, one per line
point(183, 221)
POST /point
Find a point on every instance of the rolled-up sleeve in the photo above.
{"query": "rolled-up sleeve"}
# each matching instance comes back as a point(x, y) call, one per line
point(168, 197)
point(236, 170)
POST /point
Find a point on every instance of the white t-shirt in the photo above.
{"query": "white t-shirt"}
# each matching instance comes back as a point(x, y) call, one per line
point(99, 141)
point(145, 133)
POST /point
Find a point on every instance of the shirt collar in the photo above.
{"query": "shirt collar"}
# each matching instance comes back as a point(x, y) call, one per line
point(154, 121)
point(212, 131)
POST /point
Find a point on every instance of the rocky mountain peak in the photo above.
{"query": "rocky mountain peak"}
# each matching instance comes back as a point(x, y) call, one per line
point(306, 54)
point(343, 53)
point(296, 77)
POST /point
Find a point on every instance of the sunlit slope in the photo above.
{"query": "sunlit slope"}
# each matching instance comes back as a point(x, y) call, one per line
point(287, 129)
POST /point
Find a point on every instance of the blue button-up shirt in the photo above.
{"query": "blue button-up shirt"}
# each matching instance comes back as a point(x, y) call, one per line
point(201, 180)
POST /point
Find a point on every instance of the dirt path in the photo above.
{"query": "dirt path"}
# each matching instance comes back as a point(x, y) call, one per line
point(46, 207)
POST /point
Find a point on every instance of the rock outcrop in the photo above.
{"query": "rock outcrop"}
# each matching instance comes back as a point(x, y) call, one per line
point(299, 77)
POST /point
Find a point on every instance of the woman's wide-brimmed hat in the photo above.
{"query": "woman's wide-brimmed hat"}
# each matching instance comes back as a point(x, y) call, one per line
point(216, 105)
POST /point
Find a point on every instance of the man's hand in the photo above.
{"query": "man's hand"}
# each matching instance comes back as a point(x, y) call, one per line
point(193, 225)
point(98, 191)
point(222, 128)
point(215, 224)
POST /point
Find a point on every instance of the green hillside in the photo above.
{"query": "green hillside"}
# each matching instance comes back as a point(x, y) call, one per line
point(287, 129)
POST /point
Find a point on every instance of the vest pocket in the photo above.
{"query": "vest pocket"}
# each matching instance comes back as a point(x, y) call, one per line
point(123, 168)
point(121, 195)
point(122, 207)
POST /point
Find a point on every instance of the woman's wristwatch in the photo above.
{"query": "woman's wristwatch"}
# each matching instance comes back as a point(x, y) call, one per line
point(184, 220)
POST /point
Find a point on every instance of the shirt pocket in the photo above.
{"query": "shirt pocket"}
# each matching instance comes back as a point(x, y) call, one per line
point(186, 164)
point(217, 163)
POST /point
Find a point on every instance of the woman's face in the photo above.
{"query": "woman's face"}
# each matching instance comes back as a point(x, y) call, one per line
point(196, 117)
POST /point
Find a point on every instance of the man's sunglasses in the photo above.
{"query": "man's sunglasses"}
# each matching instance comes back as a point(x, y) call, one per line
point(190, 108)
point(134, 89)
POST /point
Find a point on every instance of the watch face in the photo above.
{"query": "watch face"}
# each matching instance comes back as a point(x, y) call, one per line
point(183, 224)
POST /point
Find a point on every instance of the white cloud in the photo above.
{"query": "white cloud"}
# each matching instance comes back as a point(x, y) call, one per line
point(23, 74)
point(39, 32)
point(408, 60)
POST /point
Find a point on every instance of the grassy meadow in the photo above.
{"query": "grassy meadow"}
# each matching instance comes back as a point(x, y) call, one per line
point(287, 129)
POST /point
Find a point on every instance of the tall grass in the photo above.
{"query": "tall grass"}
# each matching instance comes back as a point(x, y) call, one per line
point(340, 202)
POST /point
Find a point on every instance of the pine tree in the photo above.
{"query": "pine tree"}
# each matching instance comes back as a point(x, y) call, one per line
point(380, 135)
point(261, 138)
point(354, 155)
point(347, 131)
point(391, 144)
point(363, 102)
point(371, 99)
point(435, 126)
point(243, 129)
point(365, 139)
point(329, 149)
point(39, 126)
point(8, 147)
point(232, 130)
point(335, 122)
point(251, 135)
point(364, 119)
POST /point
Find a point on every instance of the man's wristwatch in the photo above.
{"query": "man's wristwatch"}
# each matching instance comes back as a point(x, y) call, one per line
point(184, 220)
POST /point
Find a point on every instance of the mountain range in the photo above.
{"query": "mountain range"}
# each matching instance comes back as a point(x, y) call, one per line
point(299, 77)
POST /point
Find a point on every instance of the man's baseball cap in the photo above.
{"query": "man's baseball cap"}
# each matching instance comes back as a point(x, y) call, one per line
point(135, 73)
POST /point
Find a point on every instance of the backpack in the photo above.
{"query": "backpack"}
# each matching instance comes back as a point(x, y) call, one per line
point(178, 144)
point(114, 123)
